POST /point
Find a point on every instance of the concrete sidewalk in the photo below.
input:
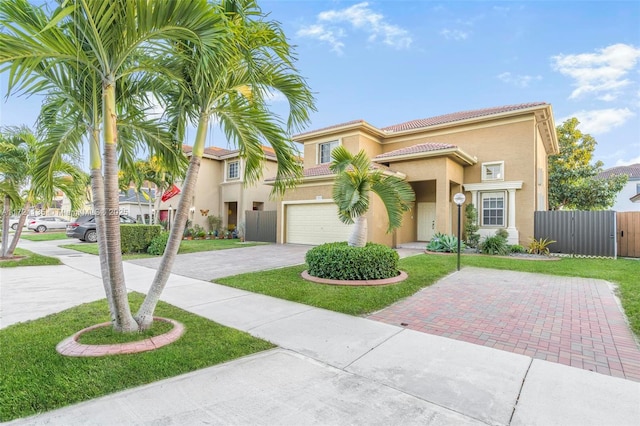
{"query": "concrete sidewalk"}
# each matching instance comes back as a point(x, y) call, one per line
point(329, 368)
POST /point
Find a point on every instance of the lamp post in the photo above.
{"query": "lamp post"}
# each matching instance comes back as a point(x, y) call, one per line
point(459, 199)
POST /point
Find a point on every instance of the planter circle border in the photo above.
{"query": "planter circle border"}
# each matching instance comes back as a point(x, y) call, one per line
point(71, 347)
point(355, 283)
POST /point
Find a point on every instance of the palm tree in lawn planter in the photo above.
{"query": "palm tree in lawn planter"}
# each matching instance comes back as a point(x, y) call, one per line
point(356, 179)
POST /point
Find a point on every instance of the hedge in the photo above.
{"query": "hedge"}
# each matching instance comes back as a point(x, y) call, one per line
point(339, 261)
point(136, 238)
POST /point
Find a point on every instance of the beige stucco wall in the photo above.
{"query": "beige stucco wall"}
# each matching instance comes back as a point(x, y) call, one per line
point(212, 192)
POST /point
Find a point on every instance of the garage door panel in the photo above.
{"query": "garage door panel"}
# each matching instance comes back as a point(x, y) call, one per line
point(315, 224)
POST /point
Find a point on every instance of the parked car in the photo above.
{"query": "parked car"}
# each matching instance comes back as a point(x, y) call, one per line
point(84, 227)
point(43, 223)
point(13, 221)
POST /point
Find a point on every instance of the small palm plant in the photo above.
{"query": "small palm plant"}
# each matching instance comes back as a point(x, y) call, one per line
point(355, 180)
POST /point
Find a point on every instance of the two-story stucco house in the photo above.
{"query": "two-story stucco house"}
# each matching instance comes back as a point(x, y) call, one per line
point(496, 156)
point(628, 199)
point(220, 189)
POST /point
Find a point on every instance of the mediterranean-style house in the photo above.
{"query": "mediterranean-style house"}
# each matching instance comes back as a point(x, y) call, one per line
point(628, 199)
point(220, 189)
point(496, 156)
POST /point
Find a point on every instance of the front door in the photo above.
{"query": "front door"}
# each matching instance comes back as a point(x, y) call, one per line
point(426, 221)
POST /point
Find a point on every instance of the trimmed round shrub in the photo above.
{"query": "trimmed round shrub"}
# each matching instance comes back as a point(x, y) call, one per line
point(158, 244)
point(517, 248)
point(339, 261)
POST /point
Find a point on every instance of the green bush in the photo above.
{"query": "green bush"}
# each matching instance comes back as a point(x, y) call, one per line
point(517, 248)
point(338, 261)
point(137, 238)
point(502, 233)
point(472, 238)
point(494, 245)
point(444, 243)
point(158, 244)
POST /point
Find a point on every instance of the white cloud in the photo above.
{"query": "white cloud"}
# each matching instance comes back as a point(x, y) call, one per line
point(321, 33)
point(621, 162)
point(518, 80)
point(602, 120)
point(275, 96)
point(358, 17)
point(454, 34)
point(603, 74)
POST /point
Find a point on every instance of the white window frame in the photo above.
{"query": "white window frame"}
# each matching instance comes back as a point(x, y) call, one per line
point(332, 145)
point(485, 220)
point(487, 177)
point(237, 174)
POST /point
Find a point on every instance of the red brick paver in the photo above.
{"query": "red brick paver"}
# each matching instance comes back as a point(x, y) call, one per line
point(571, 321)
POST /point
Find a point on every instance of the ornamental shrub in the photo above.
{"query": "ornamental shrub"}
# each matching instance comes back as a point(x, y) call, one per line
point(136, 238)
point(444, 243)
point(517, 248)
point(158, 244)
point(472, 238)
point(339, 261)
point(494, 245)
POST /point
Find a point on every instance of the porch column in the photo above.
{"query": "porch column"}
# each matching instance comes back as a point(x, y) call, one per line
point(511, 220)
point(442, 206)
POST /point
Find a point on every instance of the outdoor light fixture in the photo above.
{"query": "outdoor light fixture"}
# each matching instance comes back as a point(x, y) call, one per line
point(459, 200)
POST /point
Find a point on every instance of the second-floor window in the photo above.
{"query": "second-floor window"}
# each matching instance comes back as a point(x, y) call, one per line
point(324, 151)
point(493, 171)
point(233, 170)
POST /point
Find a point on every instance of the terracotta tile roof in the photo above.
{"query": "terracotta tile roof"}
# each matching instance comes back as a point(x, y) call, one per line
point(458, 116)
point(632, 170)
point(323, 170)
point(416, 149)
point(221, 152)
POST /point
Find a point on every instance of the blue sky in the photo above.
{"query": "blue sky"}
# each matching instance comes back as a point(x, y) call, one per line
point(393, 61)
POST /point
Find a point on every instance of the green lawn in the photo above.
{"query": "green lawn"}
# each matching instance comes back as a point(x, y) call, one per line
point(424, 270)
point(186, 246)
point(44, 236)
point(26, 258)
point(35, 378)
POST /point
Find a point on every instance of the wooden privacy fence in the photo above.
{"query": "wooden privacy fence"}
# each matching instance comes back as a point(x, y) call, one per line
point(628, 233)
point(260, 225)
point(584, 233)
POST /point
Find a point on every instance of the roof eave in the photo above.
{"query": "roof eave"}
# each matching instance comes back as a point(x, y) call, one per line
point(459, 155)
point(300, 138)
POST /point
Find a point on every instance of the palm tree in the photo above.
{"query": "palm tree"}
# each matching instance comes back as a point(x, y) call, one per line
point(109, 41)
point(120, 44)
point(233, 89)
point(25, 147)
point(356, 178)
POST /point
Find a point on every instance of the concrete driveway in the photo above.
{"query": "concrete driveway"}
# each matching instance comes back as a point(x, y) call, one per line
point(209, 265)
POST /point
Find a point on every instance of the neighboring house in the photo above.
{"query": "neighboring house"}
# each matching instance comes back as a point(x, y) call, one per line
point(496, 156)
point(220, 189)
point(138, 204)
point(627, 200)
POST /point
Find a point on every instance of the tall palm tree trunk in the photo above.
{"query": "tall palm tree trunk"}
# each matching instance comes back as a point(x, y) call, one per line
point(358, 237)
point(5, 226)
point(16, 235)
point(144, 317)
point(123, 319)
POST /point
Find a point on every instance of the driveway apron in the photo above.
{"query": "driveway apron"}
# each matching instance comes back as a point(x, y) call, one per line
point(567, 320)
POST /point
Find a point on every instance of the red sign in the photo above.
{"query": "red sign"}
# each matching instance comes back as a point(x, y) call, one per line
point(171, 192)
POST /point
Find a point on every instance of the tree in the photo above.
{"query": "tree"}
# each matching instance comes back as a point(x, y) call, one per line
point(21, 151)
point(118, 46)
point(356, 179)
point(573, 181)
point(233, 87)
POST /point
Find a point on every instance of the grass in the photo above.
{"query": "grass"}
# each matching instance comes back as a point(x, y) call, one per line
point(425, 270)
point(27, 258)
point(35, 378)
point(186, 246)
point(44, 236)
point(108, 336)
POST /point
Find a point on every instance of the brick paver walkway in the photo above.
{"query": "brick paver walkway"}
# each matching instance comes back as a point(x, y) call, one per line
point(571, 321)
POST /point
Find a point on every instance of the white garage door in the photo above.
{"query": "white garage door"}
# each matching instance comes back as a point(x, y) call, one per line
point(315, 224)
